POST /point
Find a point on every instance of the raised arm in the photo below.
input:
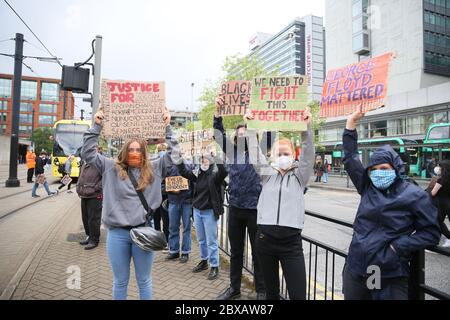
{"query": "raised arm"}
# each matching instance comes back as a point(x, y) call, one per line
point(306, 161)
point(223, 141)
point(353, 165)
point(89, 151)
point(160, 164)
point(186, 172)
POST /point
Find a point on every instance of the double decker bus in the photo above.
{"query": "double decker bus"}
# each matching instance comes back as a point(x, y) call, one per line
point(68, 140)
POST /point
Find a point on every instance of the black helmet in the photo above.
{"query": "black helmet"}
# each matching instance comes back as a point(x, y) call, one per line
point(148, 238)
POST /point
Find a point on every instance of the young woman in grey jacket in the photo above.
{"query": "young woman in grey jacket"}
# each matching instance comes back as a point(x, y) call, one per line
point(281, 211)
point(122, 209)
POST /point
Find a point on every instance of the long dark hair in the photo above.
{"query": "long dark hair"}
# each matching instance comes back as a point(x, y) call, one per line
point(445, 172)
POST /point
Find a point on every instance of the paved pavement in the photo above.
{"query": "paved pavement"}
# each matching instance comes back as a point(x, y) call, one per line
point(40, 257)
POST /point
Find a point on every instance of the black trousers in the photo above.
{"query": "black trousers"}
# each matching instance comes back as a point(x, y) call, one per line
point(289, 252)
point(91, 214)
point(355, 288)
point(443, 205)
point(62, 185)
point(30, 173)
point(238, 221)
point(161, 214)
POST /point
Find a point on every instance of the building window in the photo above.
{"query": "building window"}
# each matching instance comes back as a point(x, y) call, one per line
point(378, 129)
point(3, 116)
point(25, 118)
point(50, 91)
point(29, 90)
point(440, 117)
point(2, 128)
point(363, 131)
point(46, 120)
point(5, 88)
point(3, 105)
point(25, 129)
point(26, 107)
point(47, 108)
point(396, 127)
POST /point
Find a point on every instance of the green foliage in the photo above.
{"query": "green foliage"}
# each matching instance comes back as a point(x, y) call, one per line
point(41, 139)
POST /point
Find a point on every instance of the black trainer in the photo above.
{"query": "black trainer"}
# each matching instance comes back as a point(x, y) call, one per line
point(229, 294)
point(213, 274)
point(184, 258)
point(91, 245)
point(203, 265)
point(84, 242)
point(173, 256)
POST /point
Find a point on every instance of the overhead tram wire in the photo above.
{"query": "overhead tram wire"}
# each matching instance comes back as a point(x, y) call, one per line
point(15, 12)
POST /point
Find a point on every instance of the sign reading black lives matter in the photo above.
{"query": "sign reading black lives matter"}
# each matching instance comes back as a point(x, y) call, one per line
point(133, 109)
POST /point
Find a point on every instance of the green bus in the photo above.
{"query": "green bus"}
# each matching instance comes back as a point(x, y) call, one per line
point(404, 147)
point(438, 137)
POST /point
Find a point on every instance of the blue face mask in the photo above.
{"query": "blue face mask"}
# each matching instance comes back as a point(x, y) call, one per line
point(383, 179)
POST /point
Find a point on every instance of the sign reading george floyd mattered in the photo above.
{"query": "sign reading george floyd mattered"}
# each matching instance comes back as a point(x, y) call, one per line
point(133, 109)
point(360, 83)
point(234, 97)
point(176, 183)
point(278, 103)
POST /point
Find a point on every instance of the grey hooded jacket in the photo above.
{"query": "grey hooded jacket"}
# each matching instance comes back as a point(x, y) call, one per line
point(282, 201)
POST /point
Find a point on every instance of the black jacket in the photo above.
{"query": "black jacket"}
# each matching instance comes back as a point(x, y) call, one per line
point(39, 169)
point(215, 176)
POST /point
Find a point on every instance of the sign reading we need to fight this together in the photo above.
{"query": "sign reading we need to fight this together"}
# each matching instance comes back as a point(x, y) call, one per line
point(278, 103)
point(133, 109)
point(364, 82)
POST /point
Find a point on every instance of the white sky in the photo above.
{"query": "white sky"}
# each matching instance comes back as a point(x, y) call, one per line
point(179, 42)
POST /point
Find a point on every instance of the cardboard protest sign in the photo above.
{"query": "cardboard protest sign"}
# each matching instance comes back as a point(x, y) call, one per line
point(176, 183)
point(364, 82)
point(194, 143)
point(278, 103)
point(133, 109)
point(234, 97)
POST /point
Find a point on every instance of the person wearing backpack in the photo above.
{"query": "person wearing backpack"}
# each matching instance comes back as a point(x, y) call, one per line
point(395, 218)
point(207, 203)
point(89, 189)
point(281, 210)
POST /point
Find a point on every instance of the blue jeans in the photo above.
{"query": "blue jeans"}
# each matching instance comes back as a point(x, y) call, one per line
point(177, 212)
point(36, 185)
point(206, 230)
point(325, 177)
point(120, 249)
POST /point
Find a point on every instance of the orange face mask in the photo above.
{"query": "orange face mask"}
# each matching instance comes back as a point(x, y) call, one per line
point(134, 159)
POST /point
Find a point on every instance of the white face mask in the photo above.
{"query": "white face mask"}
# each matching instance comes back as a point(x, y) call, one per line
point(204, 167)
point(284, 162)
point(437, 171)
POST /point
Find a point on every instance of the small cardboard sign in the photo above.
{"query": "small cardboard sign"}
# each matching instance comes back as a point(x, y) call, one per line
point(176, 183)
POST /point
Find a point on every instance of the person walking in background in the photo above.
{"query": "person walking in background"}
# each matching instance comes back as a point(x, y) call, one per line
point(244, 190)
point(40, 176)
point(441, 193)
point(123, 210)
point(395, 218)
point(326, 170)
point(31, 163)
point(161, 215)
point(208, 206)
point(318, 170)
point(67, 171)
point(89, 189)
point(281, 211)
point(180, 209)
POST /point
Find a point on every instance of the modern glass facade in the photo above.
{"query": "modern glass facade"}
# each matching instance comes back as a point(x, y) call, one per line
point(28, 90)
point(437, 36)
point(361, 33)
point(47, 108)
point(47, 120)
point(5, 88)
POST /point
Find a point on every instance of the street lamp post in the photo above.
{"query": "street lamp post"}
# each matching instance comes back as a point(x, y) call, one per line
point(192, 101)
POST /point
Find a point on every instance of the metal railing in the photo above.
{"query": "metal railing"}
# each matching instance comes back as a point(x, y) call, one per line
point(325, 280)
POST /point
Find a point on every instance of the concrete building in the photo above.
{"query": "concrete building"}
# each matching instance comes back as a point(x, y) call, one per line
point(418, 31)
point(299, 48)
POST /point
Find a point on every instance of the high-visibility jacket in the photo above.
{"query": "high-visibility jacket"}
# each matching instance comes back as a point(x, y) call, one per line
point(31, 160)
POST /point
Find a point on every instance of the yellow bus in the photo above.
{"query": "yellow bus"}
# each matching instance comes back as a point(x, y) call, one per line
point(68, 140)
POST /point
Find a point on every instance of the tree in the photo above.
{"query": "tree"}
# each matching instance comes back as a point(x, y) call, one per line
point(41, 139)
